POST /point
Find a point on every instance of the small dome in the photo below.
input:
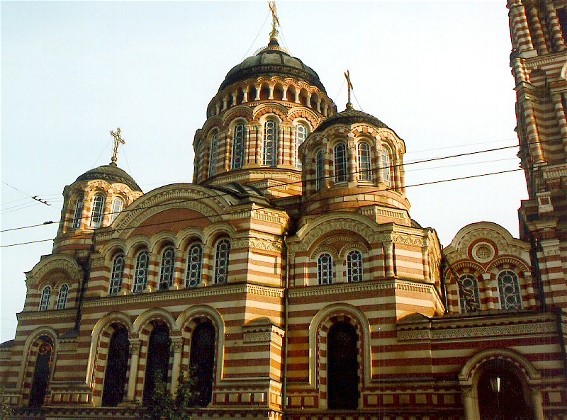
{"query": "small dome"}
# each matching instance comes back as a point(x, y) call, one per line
point(112, 174)
point(270, 61)
point(351, 116)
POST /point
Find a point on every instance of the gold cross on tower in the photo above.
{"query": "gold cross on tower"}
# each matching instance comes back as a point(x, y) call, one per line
point(275, 20)
point(349, 87)
point(117, 141)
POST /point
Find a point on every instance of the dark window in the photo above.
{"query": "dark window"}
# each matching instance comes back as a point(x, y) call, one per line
point(342, 374)
point(562, 15)
point(41, 375)
point(116, 368)
point(157, 362)
point(202, 360)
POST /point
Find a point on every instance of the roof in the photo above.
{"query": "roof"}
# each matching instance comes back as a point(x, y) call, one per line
point(351, 116)
point(112, 174)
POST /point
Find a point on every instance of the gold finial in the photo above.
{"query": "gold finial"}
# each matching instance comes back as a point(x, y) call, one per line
point(275, 20)
point(117, 141)
point(349, 87)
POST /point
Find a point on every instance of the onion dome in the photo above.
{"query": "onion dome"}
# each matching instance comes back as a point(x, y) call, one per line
point(112, 174)
point(350, 116)
point(272, 61)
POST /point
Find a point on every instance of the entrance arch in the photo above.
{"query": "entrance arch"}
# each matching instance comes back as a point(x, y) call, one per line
point(42, 372)
point(343, 369)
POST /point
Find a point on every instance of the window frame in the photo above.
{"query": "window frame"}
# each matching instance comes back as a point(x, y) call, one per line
point(78, 212)
point(44, 299)
point(319, 170)
point(364, 161)
point(97, 211)
point(270, 143)
point(213, 154)
point(462, 288)
point(167, 268)
point(355, 277)
point(301, 133)
point(117, 274)
point(222, 261)
point(517, 292)
point(116, 208)
point(141, 272)
point(238, 145)
point(62, 296)
point(194, 272)
point(340, 156)
point(325, 270)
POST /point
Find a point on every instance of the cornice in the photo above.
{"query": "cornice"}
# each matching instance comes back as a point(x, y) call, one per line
point(51, 314)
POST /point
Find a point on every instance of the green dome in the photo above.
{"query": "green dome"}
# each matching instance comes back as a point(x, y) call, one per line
point(112, 174)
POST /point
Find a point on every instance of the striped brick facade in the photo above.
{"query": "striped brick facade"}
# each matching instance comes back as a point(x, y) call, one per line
point(294, 264)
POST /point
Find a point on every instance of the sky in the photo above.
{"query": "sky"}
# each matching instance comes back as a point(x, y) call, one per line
point(437, 72)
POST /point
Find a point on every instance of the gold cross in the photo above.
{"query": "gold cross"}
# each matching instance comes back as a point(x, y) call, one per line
point(275, 20)
point(349, 87)
point(117, 141)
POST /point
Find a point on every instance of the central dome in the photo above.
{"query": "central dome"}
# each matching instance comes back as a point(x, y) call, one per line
point(271, 61)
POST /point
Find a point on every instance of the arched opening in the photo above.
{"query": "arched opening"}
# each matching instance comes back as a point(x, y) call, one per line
point(202, 361)
point(157, 360)
point(342, 374)
point(41, 373)
point(501, 394)
point(116, 367)
point(264, 93)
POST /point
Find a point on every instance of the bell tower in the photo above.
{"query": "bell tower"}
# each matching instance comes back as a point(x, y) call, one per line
point(538, 31)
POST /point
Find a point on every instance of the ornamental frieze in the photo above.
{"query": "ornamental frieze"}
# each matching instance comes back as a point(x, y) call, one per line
point(341, 288)
point(62, 263)
point(408, 240)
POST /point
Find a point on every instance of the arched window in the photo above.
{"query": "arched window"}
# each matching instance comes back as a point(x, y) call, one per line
point(157, 361)
point(354, 267)
point(340, 162)
point(78, 214)
point(41, 374)
point(117, 206)
point(325, 269)
point(364, 162)
point(238, 146)
point(301, 131)
point(116, 368)
point(270, 143)
point(97, 211)
point(343, 368)
point(62, 298)
point(194, 265)
point(213, 155)
point(385, 166)
point(509, 288)
point(117, 275)
point(319, 170)
point(202, 361)
point(44, 300)
point(468, 293)
point(141, 272)
point(167, 268)
point(222, 256)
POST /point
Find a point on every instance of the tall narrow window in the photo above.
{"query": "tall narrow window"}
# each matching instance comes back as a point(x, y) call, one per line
point(213, 155)
point(238, 146)
point(222, 256)
point(468, 293)
point(385, 166)
point(202, 359)
point(300, 136)
point(562, 16)
point(78, 214)
point(340, 162)
point(41, 374)
point(117, 206)
point(194, 265)
point(325, 269)
point(97, 211)
point(44, 300)
point(364, 162)
point(270, 143)
point(319, 170)
point(117, 275)
point(157, 361)
point(342, 367)
point(62, 298)
point(509, 287)
point(354, 267)
point(116, 368)
point(141, 272)
point(167, 268)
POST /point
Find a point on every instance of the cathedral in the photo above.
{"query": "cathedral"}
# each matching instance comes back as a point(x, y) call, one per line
point(289, 279)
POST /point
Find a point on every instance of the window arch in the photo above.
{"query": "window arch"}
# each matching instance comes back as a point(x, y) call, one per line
point(44, 300)
point(62, 298)
point(222, 256)
point(202, 358)
point(364, 162)
point(385, 165)
point(469, 297)
point(342, 367)
point(116, 368)
point(157, 361)
point(319, 170)
point(141, 272)
point(117, 275)
point(354, 266)
point(301, 132)
point(78, 213)
point(270, 143)
point(213, 154)
point(509, 288)
point(325, 269)
point(167, 269)
point(238, 145)
point(194, 265)
point(117, 206)
point(340, 153)
point(97, 211)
